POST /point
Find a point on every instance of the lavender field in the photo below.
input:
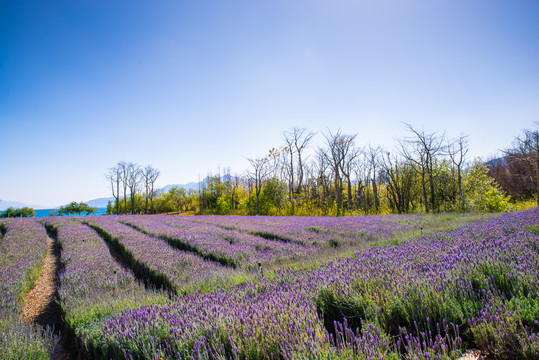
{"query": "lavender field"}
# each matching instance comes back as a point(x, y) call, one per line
point(430, 297)
point(222, 287)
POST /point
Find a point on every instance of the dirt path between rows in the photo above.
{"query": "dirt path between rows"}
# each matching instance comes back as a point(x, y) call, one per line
point(41, 305)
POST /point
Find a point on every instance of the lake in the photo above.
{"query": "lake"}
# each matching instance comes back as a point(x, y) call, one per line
point(46, 212)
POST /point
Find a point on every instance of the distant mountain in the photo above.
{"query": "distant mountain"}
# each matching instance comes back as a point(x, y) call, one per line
point(100, 203)
point(189, 186)
point(498, 161)
point(103, 202)
point(7, 204)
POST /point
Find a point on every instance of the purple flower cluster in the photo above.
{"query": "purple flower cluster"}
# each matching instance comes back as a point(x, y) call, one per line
point(246, 323)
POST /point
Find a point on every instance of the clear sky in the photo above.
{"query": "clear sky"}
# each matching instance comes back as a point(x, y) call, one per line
point(188, 86)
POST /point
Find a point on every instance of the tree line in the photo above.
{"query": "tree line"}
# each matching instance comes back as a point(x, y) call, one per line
point(425, 171)
point(12, 212)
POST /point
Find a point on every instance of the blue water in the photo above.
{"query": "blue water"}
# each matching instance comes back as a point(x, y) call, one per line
point(46, 212)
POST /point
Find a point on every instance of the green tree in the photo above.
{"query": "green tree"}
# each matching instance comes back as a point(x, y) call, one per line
point(22, 212)
point(273, 197)
point(27, 212)
point(75, 208)
point(177, 197)
point(110, 207)
point(481, 191)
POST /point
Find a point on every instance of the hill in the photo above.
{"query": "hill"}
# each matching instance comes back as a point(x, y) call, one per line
point(4, 204)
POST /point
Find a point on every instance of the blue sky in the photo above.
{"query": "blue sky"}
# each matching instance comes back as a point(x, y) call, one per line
point(188, 86)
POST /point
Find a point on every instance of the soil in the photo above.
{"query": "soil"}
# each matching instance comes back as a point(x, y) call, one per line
point(472, 355)
point(41, 306)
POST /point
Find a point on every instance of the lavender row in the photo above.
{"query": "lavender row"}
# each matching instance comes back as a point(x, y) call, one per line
point(177, 267)
point(425, 298)
point(229, 247)
point(22, 247)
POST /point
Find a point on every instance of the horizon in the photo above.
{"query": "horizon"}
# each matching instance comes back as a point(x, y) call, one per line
point(191, 88)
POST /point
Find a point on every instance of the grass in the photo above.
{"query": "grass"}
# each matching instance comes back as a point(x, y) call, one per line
point(437, 222)
point(88, 310)
point(20, 341)
point(29, 280)
point(271, 236)
point(3, 229)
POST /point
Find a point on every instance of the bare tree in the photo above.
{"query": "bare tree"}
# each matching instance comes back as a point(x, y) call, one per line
point(274, 162)
point(398, 177)
point(322, 180)
point(259, 172)
point(289, 139)
point(302, 138)
point(350, 153)
point(114, 176)
point(149, 176)
point(133, 181)
point(123, 166)
point(373, 154)
point(362, 175)
point(513, 175)
point(421, 150)
point(297, 140)
point(457, 150)
point(333, 159)
point(339, 147)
